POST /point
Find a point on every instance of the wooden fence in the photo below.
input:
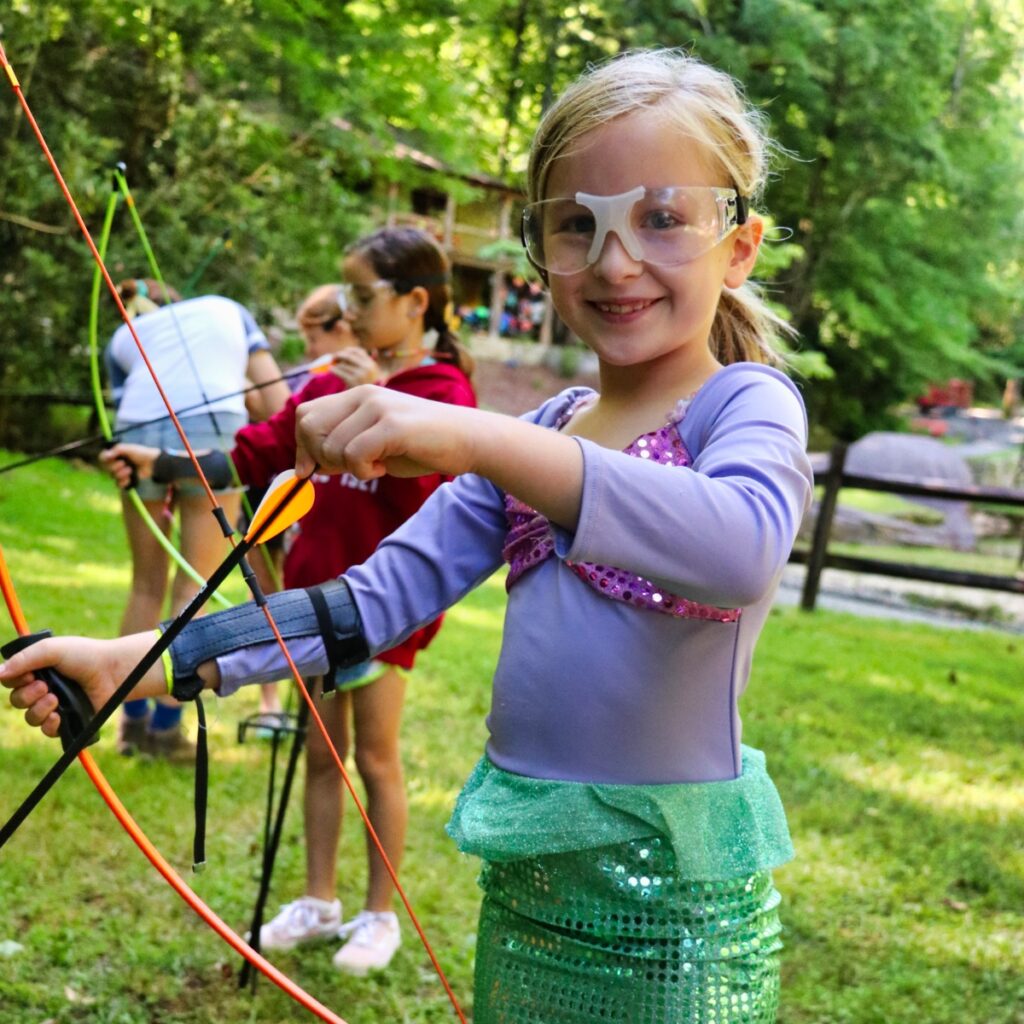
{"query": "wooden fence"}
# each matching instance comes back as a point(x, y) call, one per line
point(818, 557)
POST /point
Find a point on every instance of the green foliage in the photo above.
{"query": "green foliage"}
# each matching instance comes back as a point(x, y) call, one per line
point(899, 178)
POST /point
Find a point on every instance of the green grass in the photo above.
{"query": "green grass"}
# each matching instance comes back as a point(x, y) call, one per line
point(883, 504)
point(897, 750)
point(996, 558)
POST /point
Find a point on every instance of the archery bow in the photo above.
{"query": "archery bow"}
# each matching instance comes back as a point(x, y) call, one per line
point(154, 856)
point(203, 594)
point(131, 493)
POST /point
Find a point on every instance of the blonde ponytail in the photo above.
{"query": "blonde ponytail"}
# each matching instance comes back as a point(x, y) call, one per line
point(747, 329)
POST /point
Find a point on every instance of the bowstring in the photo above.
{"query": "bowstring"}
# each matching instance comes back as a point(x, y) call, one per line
point(219, 513)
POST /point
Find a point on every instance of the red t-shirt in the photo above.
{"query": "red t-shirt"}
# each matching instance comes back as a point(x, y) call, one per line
point(349, 517)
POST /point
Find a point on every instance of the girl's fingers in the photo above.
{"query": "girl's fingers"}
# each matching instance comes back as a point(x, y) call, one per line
point(121, 459)
point(17, 671)
point(351, 444)
point(38, 703)
point(316, 423)
point(23, 697)
point(370, 431)
point(42, 711)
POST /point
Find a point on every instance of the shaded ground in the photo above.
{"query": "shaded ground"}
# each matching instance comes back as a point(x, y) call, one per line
point(515, 388)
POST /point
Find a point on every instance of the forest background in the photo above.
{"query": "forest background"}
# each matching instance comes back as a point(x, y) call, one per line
point(900, 173)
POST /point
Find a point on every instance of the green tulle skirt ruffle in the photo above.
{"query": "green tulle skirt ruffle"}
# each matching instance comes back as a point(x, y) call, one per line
point(717, 830)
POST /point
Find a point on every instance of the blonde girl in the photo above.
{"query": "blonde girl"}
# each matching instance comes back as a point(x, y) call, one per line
point(627, 834)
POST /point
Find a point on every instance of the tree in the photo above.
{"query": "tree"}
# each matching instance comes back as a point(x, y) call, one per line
point(902, 124)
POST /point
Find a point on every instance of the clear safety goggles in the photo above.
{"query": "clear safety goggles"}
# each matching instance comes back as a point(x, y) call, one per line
point(359, 296)
point(665, 227)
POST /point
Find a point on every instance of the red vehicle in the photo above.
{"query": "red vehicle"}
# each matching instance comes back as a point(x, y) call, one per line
point(954, 394)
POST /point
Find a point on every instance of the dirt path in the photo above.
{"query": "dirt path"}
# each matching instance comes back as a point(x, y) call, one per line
point(515, 389)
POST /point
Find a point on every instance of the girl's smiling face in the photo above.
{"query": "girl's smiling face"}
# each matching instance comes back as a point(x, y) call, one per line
point(629, 312)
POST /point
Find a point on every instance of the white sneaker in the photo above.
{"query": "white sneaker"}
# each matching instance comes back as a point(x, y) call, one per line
point(373, 937)
point(306, 920)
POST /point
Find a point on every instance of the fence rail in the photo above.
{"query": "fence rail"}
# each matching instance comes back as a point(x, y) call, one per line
point(835, 478)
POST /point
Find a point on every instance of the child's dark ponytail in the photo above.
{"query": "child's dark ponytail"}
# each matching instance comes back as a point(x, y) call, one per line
point(447, 347)
point(409, 259)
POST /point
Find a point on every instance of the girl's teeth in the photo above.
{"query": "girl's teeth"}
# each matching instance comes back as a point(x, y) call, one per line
point(614, 307)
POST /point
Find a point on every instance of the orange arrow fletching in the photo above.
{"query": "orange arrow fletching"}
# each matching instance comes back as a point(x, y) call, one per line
point(323, 364)
point(282, 488)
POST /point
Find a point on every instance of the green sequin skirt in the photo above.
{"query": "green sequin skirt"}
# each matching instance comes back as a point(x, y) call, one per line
point(614, 934)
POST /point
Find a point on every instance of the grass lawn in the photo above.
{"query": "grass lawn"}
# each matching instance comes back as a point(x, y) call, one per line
point(897, 749)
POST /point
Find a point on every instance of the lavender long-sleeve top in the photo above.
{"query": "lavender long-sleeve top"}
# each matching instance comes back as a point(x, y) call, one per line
point(595, 690)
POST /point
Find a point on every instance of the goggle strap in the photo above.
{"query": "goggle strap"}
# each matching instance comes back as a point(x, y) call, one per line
point(742, 208)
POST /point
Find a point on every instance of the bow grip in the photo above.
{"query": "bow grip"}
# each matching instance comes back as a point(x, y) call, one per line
point(132, 483)
point(73, 706)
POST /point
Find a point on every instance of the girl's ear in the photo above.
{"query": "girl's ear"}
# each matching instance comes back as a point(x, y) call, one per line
point(746, 241)
point(419, 301)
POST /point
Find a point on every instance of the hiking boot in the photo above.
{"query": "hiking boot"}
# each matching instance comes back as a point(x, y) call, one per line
point(306, 920)
point(169, 745)
point(373, 938)
point(131, 735)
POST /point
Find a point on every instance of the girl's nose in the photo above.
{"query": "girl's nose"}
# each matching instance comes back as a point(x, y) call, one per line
point(614, 263)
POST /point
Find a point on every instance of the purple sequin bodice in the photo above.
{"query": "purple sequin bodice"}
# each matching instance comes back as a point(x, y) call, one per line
point(530, 539)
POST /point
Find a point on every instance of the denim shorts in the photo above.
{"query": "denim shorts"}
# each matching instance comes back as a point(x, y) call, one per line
point(363, 674)
point(205, 431)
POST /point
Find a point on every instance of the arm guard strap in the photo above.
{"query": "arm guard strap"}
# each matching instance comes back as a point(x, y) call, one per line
point(246, 626)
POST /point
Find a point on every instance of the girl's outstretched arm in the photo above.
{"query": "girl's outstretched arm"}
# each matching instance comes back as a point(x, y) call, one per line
point(98, 666)
point(369, 431)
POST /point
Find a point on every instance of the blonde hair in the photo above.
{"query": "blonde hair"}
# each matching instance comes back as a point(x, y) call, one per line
point(325, 304)
point(708, 106)
point(141, 295)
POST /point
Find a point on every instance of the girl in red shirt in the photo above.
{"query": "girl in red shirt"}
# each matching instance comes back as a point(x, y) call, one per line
point(396, 296)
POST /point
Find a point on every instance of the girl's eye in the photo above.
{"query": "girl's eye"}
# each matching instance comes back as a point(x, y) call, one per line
point(662, 220)
point(576, 224)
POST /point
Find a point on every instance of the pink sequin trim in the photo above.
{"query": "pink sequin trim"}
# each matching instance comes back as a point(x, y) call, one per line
point(530, 539)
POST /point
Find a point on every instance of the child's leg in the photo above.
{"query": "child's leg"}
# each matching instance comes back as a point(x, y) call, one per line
point(203, 546)
point(144, 609)
point(149, 570)
point(202, 542)
point(377, 716)
point(316, 915)
point(323, 795)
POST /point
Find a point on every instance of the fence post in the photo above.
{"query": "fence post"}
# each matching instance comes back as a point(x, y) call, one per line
point(823, 527)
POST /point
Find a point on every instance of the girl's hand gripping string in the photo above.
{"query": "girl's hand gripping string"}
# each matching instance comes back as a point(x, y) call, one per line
point(355, 366)
point(370, 431)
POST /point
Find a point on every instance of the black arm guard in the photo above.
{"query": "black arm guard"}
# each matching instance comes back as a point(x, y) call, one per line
point(171, 466)
point(246, 626)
